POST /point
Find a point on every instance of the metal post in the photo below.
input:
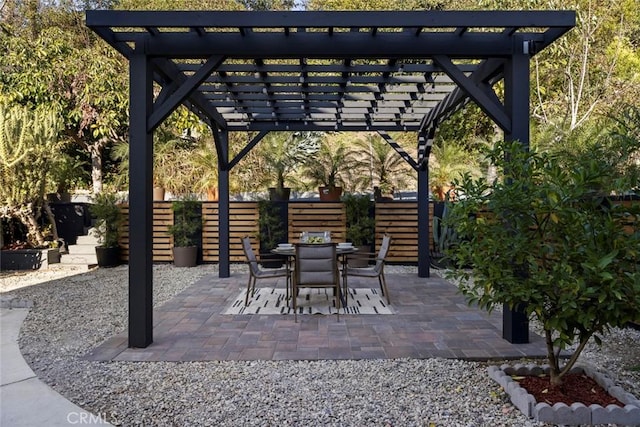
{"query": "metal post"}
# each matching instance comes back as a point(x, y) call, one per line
point(140, 203)
point(223, 206)
point(423, 219)
point(515, 326)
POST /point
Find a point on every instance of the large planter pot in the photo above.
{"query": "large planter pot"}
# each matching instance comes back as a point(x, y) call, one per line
point(108, 257)
point(269, 260)
point(185, 256)
point(560, 413)
point(279, 194)
point(330, 194)
point(359, 259)
point(28, 259)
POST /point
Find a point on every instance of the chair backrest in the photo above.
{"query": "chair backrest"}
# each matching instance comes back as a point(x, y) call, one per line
point(382, 253)
point(248, 252)
point(316, 264)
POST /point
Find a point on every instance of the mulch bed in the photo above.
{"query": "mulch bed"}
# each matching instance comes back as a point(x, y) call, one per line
point(575, 388)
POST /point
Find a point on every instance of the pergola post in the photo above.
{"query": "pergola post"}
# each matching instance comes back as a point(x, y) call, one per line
point(423, 219)
point(140, 202)
point(222, 142)
point(515, 326)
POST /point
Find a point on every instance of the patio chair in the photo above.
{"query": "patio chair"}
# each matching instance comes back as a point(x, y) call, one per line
point(256, 272)
point(316, 266)
point(377, 270)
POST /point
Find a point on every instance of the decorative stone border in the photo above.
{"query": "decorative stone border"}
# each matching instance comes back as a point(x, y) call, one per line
point(560, 413)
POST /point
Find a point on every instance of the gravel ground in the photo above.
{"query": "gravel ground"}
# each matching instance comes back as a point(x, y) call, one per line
point(75, 311)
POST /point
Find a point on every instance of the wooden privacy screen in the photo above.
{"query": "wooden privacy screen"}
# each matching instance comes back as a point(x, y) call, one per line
point(243, 221)
point(398, 219)
point(162, 242)
point(317, 216)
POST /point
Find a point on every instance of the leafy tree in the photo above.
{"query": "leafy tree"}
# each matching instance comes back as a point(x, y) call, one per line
point(44, 64)
point(375, 4)
point(547, 238)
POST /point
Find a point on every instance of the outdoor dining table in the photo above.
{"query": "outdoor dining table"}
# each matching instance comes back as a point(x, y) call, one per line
point(341, 251)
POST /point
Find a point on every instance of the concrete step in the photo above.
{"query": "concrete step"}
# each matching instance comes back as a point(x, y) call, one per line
point(86, 240)
point(79, 259)
point(82, 249)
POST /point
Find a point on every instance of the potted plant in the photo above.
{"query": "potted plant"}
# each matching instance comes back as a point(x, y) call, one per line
point(108, 217)
point(449, 162)
point(173, 164)
point(360, 226)
point(553, 246)
point(205, 166)
point(329, 168)
point(282, 153)
point(187, 226)
point(271, 217)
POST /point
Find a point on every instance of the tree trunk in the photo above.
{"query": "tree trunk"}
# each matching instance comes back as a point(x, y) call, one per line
point(29, 218)
point(555, 377)
point(96, 166)
point(52, 221)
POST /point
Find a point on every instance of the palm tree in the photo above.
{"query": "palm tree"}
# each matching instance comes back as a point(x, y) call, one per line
point(386, 169)
point(331, 166)
point(450, 162)
point(283, 152)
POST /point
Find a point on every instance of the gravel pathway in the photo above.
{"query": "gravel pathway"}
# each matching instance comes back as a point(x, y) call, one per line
point(74, 313)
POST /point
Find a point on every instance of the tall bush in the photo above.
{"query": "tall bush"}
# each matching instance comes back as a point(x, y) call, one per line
point(548, 238)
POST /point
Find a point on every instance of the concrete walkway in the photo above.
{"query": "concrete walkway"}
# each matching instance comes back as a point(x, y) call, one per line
point(24, 399)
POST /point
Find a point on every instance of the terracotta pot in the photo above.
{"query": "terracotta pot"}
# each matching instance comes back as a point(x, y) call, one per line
point(108, 257)
point(185, 256)
point(212, 194)
point(328, 194)
point(158, 193)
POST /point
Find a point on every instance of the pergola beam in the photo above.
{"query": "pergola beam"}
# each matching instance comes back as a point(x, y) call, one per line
point(330, 19)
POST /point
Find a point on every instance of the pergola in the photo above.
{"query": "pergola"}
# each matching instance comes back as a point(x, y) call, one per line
point(377, 71)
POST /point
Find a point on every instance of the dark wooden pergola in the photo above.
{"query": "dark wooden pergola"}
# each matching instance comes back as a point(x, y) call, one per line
point(323, 71)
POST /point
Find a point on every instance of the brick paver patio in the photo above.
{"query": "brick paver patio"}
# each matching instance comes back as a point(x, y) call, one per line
point(431, 320)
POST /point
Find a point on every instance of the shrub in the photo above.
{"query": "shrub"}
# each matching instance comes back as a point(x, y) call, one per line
point(553, 243)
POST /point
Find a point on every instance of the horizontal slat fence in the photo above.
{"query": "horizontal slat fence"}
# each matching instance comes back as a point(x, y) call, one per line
point(398, 219)
point(317, 216)
point(162, 242)
point(243, 221)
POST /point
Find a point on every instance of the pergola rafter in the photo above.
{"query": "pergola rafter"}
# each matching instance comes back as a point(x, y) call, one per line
point(377, 71)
